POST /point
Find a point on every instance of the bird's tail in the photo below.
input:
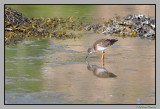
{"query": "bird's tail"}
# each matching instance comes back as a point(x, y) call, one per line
point(112, 41)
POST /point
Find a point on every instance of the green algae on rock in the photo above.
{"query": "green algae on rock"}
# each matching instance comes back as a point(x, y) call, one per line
point(19, 27)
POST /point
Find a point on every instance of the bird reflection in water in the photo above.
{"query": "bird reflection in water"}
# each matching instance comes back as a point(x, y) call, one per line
point(100, 71)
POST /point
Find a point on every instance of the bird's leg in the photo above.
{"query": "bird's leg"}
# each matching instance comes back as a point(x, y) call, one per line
point(103, 58)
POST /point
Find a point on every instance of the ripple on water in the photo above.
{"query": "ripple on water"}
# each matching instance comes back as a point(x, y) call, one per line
point(71, 51)
point(9, 69)
point(71, 62)
point(127, 50)
point(9, 82)
point(116, 46)
point(20, 89)
point(28, 42)
point(22, 79)
point(62, 49)
point(30, 57)
point(27, 79)
point(24, 75)
point(10, 61)
point(47, 51)
point(57, 47)
point(130, 69)
point(57, 63)
point(52, 65)
point(34, 45)
point(30, 63)
point(138, 101)
point(140, 56)
point(15, 63)
point(35, 98)
point(11, 48)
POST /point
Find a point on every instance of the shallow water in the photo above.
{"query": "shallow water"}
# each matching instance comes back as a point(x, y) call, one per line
point(58, 68)
point(55, 72)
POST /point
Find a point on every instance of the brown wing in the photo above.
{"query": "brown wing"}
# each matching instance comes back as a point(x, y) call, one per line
point(104, 42)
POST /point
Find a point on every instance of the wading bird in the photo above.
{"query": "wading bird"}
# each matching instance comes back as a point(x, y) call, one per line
point(101, 45)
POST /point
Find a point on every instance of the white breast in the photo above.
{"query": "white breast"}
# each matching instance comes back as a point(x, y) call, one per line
point(99, 48)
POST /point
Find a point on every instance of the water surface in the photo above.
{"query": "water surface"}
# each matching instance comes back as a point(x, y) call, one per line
point(55, 72)
point(59, 67)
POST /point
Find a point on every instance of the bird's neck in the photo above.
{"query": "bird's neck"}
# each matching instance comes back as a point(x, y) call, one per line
point(93, 50)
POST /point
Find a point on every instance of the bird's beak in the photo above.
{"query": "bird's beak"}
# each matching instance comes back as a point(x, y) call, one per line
point(87, 57)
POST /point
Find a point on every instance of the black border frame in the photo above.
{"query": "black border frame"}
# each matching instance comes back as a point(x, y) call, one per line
point(81, 104)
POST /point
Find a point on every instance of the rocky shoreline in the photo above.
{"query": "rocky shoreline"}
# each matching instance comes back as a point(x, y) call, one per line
point(19, 27)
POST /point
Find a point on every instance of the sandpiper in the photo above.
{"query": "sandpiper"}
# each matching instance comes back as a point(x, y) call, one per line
point(101, 45)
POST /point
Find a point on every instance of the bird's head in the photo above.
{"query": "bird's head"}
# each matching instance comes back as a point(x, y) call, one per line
point(90, 50)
